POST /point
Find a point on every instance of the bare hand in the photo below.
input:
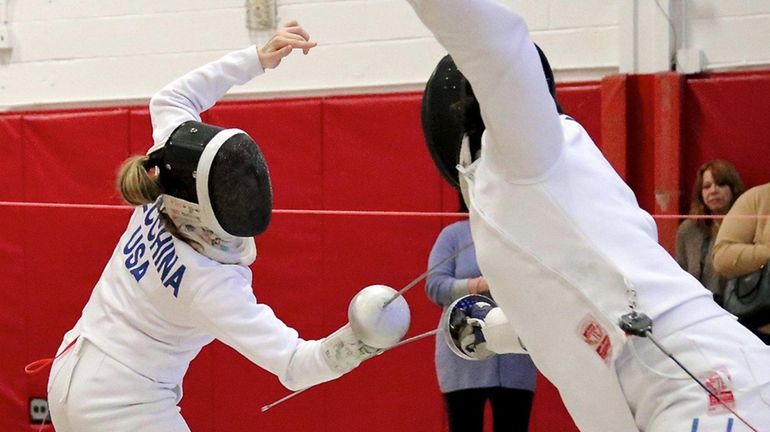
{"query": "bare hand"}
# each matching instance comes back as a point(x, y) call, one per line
point(289, 37)
point(478, 285)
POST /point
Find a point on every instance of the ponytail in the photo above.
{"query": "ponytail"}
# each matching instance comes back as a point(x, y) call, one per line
point(135, 184)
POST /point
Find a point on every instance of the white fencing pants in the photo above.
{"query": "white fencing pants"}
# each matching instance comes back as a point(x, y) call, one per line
point(664, 399)
point(90, 391)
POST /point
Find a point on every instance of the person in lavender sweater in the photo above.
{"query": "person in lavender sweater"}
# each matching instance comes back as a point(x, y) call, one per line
point(507, 381)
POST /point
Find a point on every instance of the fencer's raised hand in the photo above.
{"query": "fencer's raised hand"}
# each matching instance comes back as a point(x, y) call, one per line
point(372, 328)
point(287, 38)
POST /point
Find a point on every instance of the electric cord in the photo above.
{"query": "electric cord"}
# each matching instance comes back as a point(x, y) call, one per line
point(639, 324)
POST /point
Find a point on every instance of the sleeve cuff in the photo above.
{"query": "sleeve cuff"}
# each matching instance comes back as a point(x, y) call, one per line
point(250, 60)
point(459, 289)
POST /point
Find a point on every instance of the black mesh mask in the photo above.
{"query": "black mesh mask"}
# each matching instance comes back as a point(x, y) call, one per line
point(450, 112)
point(220, 170)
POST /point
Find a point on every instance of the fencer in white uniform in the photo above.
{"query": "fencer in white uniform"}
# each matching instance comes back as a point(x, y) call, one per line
point(163, 296)
point(567, 252)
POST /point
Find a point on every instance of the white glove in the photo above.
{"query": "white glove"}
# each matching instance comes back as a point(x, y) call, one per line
point(477, 329)
point(500, 336)
point(343, 350)
point(372, 328)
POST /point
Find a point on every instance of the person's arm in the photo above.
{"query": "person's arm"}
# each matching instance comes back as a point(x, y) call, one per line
point(735, 253)
point(226, 307)
point(188, 96)
point(491, 46)
point(442, 287)
point(229, 310)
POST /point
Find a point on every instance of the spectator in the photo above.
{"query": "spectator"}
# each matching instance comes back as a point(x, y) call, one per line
point(717, 186)
point(743, 243)
point(507, 381)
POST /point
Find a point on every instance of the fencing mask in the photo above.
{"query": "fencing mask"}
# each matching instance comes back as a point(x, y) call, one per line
point(216, 188)
point(451, 118)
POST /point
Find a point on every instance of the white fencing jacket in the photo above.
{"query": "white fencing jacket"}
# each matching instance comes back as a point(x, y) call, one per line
point(559, 236)
point(158, 301)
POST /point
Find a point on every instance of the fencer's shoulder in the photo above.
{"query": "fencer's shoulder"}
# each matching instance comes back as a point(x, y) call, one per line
point(222, 289)
point(205, 271)
point(204, 266)
point(223, 284)
point(570, 126)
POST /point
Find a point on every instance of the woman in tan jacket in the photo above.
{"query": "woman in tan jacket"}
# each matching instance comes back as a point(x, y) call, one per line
point(743, 243)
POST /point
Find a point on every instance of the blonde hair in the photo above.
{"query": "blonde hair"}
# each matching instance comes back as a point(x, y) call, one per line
point(138, 187)
point(135, 184)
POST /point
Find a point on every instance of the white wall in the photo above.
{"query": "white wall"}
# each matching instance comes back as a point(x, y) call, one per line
point(106, 52)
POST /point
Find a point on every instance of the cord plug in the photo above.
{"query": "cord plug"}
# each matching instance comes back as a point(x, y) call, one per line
point(635, 323)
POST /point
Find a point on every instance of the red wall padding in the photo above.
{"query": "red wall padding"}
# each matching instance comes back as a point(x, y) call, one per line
point(582, 101)
point(381, 142)
point(11, 179)
point(640, 149)
point(139, 131)
point(13, 328)
point(73, 157)
point(726, 117)
point(290, 135)
point(356, 153)
point(374, 156)
point(49, 261)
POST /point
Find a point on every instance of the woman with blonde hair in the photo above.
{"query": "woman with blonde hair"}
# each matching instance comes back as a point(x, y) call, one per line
point(179, 276)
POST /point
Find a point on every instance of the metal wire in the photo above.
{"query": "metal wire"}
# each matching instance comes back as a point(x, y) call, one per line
point(403, 342)
point(419, 278)
point(648, 334)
